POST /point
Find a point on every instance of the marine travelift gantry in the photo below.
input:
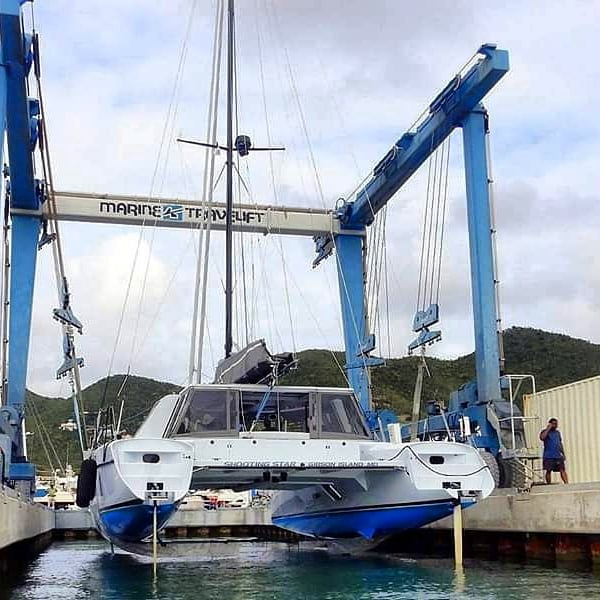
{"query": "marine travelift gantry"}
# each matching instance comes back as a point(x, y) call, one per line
point(32, 203)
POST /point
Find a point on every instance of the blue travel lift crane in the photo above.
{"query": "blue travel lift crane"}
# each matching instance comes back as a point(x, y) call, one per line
point(343, 230)
point(25, 195)
point(481, 401)
point(19, 118)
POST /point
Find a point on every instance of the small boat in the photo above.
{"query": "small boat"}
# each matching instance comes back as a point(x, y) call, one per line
point(57, 491)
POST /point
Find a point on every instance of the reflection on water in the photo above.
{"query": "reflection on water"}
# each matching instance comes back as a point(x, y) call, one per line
point(242, 571)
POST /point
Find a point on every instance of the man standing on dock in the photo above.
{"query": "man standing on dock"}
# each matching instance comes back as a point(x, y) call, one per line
point(554, 452)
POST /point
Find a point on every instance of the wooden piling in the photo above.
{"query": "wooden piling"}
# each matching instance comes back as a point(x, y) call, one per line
point(458, 534)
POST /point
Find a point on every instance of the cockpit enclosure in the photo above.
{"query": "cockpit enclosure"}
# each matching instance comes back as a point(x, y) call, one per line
point(241, 410)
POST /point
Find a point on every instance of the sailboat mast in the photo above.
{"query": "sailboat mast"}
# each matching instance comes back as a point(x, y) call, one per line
point(229, 197)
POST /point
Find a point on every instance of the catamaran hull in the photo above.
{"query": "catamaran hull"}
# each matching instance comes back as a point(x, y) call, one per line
point(390, 505)
point(432, 478)
point(136, 478)
point(367, 522)
point(133, 522)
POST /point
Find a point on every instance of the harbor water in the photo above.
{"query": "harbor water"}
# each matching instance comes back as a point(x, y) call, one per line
point(267, 570)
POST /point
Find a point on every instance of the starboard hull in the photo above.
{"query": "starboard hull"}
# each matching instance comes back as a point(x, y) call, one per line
point(383, 503)
point(368, 522)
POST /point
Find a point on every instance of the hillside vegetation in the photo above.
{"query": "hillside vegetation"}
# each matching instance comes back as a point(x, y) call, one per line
point(553, 358)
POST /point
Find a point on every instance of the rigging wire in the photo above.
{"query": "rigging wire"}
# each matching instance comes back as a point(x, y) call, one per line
point(240, 263)
point(377, 270)
point(36, 424)
point(167, 134)
point(437, 246)
point(57, 252)
point(207, 193)
point(444, 202)
point(298, 103)
point(304, 128)
point(273, 183)
point(195, 359)
point(431, 201)
point(318, 325)
point(316, 174)
point(169, 120)
point(424, 232)
point(387, 297)
point(434, 220)
point(154, 318)
point(43, 431)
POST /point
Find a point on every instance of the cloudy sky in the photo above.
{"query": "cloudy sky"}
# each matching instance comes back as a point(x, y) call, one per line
point(363, 72)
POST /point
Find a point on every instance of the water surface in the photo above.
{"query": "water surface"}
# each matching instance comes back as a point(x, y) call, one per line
point(241, 571)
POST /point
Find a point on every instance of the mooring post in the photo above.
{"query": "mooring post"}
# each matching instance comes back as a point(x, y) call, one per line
point(458, 534)
point(154, 540)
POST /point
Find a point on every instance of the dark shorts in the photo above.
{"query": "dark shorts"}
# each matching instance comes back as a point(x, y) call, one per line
point(554, 464)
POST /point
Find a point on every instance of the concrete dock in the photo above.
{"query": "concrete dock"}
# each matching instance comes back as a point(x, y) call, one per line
point(81, 520)
point(197, 522)
point(25, 528)
point(554, 525)
point(554, 508)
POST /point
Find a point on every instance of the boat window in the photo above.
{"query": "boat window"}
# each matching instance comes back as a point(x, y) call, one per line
point(206, 411)
point(281, 411)
point(341, 414)
point(293, 412)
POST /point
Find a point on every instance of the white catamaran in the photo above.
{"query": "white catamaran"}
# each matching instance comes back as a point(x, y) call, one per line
point(333, 478)
point(333, 474)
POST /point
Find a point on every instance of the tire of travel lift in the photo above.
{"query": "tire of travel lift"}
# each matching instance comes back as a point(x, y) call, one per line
point(490, 460)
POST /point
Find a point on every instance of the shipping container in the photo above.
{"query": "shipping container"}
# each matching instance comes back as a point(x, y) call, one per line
point(577, 408)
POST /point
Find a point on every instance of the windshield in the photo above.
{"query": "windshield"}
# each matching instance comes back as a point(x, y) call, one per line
point(210, 411)
point(281, 411)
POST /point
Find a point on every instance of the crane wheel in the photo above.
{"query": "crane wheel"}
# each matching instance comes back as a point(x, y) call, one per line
point(512, 473)
point(490, 460)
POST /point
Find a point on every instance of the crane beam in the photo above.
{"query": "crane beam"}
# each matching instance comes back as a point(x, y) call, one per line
point(186, 214)
point(445, 113)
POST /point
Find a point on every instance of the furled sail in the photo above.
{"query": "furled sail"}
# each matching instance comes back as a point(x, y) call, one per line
point(253, 364)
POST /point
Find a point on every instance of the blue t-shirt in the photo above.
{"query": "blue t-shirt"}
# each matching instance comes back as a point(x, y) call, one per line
point(553, 444)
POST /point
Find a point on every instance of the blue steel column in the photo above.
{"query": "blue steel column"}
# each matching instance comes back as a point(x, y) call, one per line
point(487, 360)
point(24, 236)
point(6, 429)
point(351, 280)
point(24, 227)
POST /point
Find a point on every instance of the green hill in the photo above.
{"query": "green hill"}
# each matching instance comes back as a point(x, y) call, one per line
point(553, 358)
